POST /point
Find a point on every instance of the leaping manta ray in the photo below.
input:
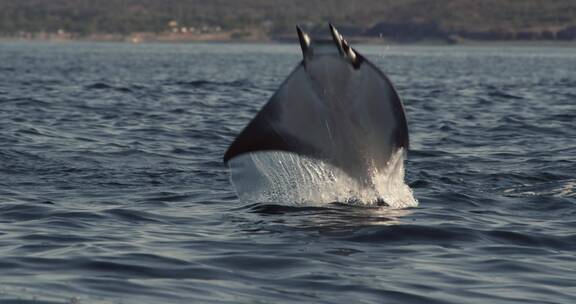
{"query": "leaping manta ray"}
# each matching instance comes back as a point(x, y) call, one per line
point(336, 107)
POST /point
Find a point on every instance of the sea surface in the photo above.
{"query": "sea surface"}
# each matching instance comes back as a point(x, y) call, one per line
point(113, 190)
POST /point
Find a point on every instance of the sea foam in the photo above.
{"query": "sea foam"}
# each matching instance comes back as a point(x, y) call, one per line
point(287, 178)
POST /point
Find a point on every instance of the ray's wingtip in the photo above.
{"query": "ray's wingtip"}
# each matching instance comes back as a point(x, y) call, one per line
point(337, 38)
point(228, 155)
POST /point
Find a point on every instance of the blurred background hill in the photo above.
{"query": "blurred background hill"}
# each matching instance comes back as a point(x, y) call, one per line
point(394, 20)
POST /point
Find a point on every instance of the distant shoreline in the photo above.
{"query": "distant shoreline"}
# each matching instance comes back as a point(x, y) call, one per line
point(256, 36)
point(354, 40)
point(394, 22)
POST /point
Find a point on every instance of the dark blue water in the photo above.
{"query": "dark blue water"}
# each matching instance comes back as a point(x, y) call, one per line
point(112, 188)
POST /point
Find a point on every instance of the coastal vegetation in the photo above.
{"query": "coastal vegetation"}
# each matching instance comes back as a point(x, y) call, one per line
point(401, 20)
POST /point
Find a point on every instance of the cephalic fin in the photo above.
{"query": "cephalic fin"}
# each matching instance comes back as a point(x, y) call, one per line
point(344, 48)
point(337, 39)
point(305, 42)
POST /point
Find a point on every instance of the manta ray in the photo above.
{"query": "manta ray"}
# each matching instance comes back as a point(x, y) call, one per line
point(336, 107)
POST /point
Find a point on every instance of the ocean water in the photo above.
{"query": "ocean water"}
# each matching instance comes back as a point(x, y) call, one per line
point(112, 188)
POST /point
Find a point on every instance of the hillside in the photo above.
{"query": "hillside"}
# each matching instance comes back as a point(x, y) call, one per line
point(402, 20)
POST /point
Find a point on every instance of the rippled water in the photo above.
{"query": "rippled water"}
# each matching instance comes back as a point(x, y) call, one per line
point(112, 188)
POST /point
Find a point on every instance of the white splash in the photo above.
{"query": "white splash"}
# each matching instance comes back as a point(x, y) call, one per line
point(287, 178)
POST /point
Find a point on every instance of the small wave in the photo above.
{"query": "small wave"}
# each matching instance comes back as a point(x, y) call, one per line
point(105, 86)
point(564, 117)
point(281, 209)
point(554, 189)
point(414, 233)
point(22, 101)
point(99, 86)
point(205, 83)
point(24, 212)
point(500, 94)
point(134, 216)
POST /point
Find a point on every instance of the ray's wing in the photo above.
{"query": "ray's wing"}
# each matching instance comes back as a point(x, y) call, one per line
point(385, 109)
point(293, 120)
